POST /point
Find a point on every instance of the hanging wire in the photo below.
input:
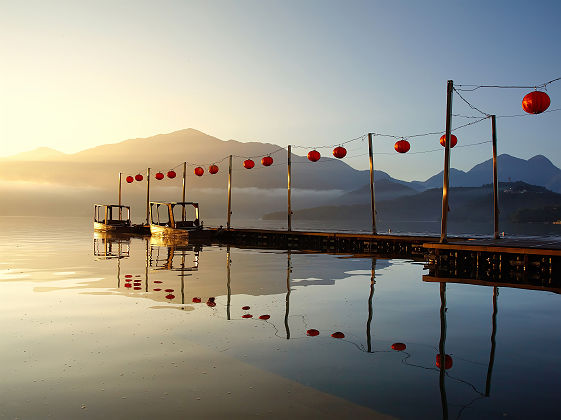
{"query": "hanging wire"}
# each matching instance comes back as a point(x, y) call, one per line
point(331, 145)
point(470, 105)
point(471, 88)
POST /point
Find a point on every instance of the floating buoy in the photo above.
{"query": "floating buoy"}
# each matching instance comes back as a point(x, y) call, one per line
point(536, 102)
point(267, 161)
point(138, 177)
point(398, 346)
point(447, 361)
point(314, 156)
point(213, 169)
point(264, 317)
point(247, 316)
point(453, 140)
point(199, 171)
point(159, 176)
point(340, 152)
point(171, 174)
point(130, 179)
point(338, 334)
point(248, 164)
point(312, 332)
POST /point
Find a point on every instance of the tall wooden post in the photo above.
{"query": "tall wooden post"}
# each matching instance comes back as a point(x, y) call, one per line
point(446, 182)
point(120, 210)
point(184, 184)
point(148, 197)
point(229, 192)
point(289, 189)
point(495, 179)
point(372, 197)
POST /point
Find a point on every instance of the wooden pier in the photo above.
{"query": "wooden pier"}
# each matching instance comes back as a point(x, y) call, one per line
point(531, 261)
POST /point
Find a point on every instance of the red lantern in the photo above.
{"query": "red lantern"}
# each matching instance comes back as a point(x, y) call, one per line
point(447, 361)
point(535, 102)
point(338, 334)
point(212, 169)
point(130, 179)
point(339, 152)
point(314, 155)
point(267, 161)
point(171, 174)
point(398, 346)
point(264, 317)
point(248, 164)
point(138, 177)
point(199, 171)
point(312, 332)
point(402, 146)
point(453, 140)
point(159, 176)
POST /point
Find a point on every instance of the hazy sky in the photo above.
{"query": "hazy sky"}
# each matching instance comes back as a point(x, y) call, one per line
point(76, 74)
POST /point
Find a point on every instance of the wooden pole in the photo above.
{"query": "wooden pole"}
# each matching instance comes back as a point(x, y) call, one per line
point(446, 182)
point(495, 179)
point(184, 184)
point(148, 197)
point(229, 192)
point(120, 211)
point(289, 189)
point(372, 197)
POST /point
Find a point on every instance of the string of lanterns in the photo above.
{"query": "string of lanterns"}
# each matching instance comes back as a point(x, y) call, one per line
point(534, 102)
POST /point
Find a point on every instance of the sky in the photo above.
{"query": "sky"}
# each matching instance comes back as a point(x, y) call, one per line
point(76, 74)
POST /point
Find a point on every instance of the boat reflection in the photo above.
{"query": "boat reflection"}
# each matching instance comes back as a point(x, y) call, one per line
point(107, 245)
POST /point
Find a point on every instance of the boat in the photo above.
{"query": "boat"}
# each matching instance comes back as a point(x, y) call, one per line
point(177, 221)
point(115, 218)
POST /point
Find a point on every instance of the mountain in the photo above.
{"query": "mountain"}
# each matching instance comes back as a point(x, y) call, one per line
point(537, 170)
point(467, 204)
point(39, 154)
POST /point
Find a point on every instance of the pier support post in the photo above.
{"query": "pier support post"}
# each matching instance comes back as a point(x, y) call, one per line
point(372, 197)
point(148, 197)
point(446, 181)
point(495, 179)
point(229, 192)
point(288, 188)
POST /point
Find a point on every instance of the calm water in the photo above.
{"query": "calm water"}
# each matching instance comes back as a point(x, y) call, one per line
point(87, 335)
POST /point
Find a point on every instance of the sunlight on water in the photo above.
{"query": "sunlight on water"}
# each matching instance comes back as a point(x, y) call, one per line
point(94, 326)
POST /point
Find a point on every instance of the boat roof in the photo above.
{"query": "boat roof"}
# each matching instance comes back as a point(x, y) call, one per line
point(111, 205)
point(192, 203)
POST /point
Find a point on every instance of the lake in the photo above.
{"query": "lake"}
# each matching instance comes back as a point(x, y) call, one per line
point(97, 327)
